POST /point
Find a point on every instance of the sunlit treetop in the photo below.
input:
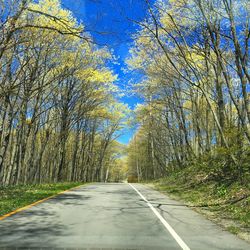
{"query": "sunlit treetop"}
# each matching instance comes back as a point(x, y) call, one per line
point(49, 13)
point(176, 14)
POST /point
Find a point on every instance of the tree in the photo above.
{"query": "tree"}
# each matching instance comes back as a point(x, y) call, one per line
point(189, 71)
point(57, 98)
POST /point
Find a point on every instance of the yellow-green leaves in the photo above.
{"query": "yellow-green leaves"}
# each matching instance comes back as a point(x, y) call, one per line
point(176, 15)
point(50, 14)
point(101, 76)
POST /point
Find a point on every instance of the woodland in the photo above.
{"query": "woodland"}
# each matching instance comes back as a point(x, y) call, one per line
point(61, 112)
point(59, 108)
point(194, 59)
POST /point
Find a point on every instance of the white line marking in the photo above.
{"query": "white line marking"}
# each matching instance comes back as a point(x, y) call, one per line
point(178, 239)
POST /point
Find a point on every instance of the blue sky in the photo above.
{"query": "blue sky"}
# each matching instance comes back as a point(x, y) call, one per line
point(109, 23)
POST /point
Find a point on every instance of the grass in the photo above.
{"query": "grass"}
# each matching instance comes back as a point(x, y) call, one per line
point(14, 197)
point(228, 204)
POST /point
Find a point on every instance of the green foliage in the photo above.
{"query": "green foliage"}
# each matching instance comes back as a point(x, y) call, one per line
point(14, 197)
point(219, 166)
point(223, 201)
point(221, 190)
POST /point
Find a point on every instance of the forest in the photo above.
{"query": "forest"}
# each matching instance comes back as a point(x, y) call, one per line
point(59, 107)
point(61, 112)
point(193, 59)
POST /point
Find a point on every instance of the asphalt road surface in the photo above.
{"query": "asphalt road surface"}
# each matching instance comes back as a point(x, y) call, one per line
point(114, 216)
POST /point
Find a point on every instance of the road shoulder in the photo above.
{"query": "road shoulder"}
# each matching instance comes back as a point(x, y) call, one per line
point(214, 213)
point(16, 199)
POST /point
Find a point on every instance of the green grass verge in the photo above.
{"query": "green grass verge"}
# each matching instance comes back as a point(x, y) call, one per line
point(227, 204)
point(14, 197)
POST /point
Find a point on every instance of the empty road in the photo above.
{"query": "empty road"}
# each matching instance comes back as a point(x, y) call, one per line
point(114, 216)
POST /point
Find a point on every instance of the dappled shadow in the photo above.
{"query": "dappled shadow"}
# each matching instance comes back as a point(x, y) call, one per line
point(30, 227)
point(70, 199)
point(29, 231)
point(43, 225)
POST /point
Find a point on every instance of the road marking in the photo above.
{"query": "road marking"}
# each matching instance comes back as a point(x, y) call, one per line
point(178, 239)
point(35, 203)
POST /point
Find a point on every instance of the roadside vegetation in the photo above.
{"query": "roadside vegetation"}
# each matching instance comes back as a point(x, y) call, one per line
point(227, 204)
point(194, 125)
point(15, 197)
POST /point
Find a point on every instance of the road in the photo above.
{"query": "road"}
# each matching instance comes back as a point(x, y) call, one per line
point(114, 216)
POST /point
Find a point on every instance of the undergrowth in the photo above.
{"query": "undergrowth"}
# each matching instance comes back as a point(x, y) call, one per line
point(226, 202)
point(14, 197)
